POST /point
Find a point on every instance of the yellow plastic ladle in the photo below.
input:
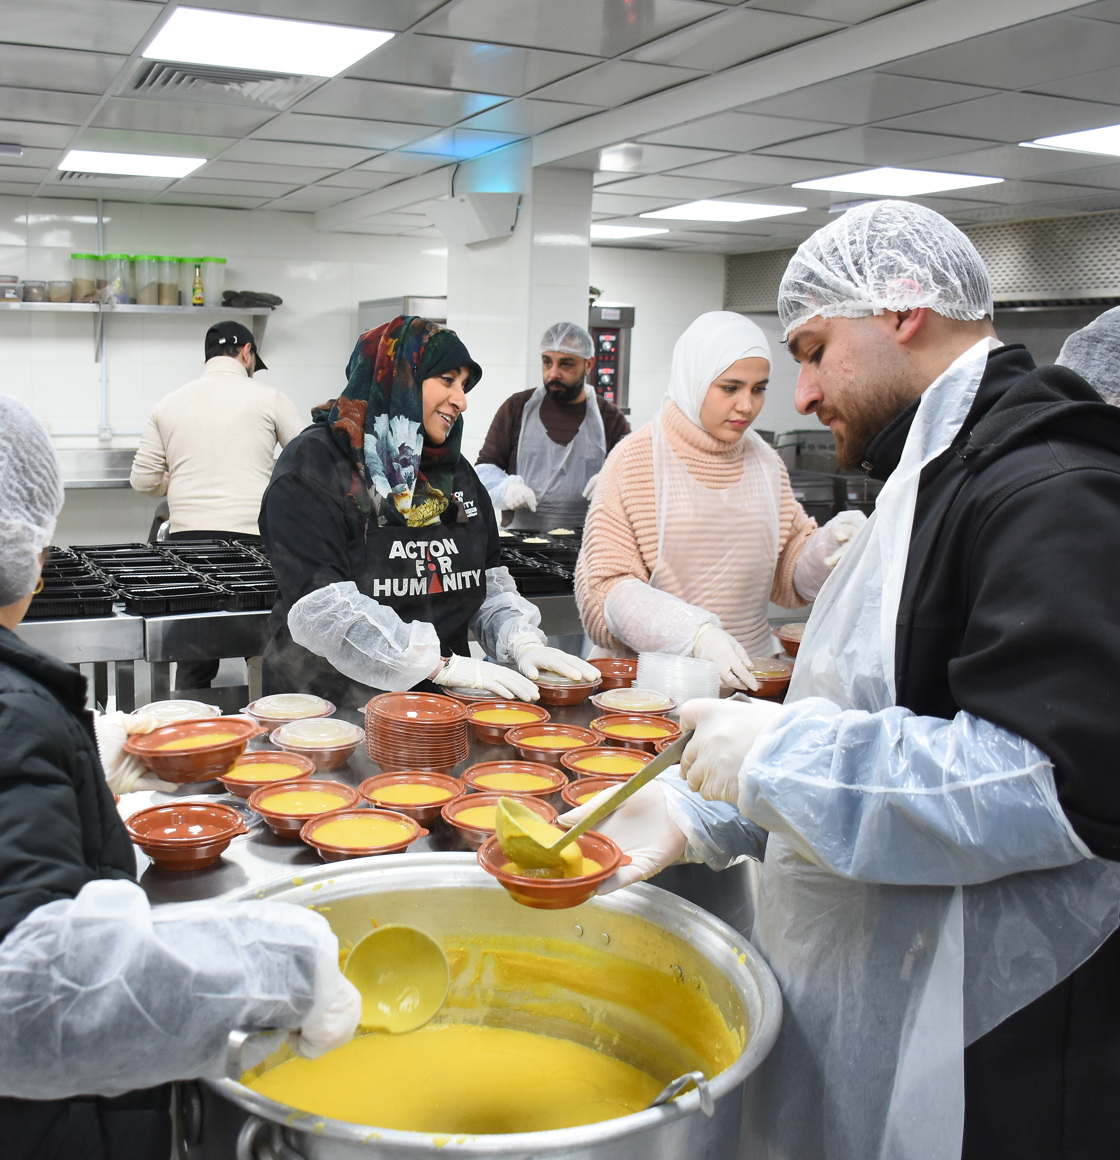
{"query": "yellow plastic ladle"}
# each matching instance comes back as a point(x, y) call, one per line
point(402, 975)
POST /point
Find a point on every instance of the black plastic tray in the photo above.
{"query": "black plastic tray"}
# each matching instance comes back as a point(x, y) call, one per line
point(248, 596)
point(70, 601)
point(163, 600)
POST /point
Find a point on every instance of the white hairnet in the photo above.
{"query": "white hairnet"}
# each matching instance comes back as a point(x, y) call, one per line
point(30, 497)
point(886, 255)
point(707, 348)
point(1094, 352)
point(567, 338)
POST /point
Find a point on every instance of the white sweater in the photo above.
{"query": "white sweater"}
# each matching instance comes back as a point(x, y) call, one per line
point(217, 438)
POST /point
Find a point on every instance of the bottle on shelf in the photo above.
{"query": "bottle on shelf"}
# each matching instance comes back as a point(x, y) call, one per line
point(198, 298)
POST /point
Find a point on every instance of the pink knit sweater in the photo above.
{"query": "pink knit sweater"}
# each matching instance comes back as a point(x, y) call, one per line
point(620, 536)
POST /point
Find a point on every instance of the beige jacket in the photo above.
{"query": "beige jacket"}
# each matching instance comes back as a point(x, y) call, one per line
point(217, 438)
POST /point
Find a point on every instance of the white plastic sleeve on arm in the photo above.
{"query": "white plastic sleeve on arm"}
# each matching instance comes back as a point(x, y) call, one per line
point(102, 994)
point(646, 619)
point(505, 615)
point(495, 480)
point(897, 798)
point(715, 832)
point(366, 641)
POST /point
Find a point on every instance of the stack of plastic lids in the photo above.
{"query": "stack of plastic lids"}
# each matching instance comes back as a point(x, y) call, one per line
point(681, 678)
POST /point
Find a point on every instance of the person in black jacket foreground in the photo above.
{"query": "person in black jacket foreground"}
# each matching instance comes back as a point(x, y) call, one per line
point(102, 997)
point(936, 803)
point(384, 542)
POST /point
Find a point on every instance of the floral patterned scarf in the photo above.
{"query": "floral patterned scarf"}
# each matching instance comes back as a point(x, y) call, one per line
point(379, 420)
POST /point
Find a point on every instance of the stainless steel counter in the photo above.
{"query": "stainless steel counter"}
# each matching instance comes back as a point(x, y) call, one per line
point(95, 467)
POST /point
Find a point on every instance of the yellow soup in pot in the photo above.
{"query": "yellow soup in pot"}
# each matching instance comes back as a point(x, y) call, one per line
point(480, 817)
point(505, 717)
point(362, 833)
point(264, 771)
point(460, 1079)
point(197, 740)
point(638, 732)
point(513, 782)
point(551, 741)
point(611, 765)
point(412, 794)
point(303, 801)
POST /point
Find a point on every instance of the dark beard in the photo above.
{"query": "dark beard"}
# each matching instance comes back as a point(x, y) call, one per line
point(875, 414)
point(561, 392)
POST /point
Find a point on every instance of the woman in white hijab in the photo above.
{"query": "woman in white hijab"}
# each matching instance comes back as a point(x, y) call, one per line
point(694, 528)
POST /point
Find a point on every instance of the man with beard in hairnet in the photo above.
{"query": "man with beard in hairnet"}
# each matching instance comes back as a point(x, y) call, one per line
point(103, 999)
point(935, 803)
point(545, 446)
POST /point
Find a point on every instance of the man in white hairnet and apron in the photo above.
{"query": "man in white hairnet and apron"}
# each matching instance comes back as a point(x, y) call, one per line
point(935, 804)
point(545, 447)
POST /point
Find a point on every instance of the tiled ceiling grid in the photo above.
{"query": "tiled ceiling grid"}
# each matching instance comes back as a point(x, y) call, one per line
point(667, 100)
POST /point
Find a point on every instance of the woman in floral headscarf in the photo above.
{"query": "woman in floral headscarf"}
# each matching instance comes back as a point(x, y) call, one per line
point(384, 542)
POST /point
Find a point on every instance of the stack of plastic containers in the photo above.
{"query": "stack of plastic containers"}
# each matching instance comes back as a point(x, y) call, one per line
point(681, 678)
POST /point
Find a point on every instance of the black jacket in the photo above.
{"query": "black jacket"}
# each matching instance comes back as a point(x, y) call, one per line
point(1008, 612)
point(315, 536)
point(60, 830)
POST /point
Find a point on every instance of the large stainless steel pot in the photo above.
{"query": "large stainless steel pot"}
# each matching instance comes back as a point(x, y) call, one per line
point(453, 899)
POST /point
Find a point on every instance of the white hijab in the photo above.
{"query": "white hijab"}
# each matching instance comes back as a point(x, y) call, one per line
point(706, 349)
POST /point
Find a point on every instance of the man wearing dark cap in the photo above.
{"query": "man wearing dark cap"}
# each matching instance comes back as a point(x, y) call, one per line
point(209, 447)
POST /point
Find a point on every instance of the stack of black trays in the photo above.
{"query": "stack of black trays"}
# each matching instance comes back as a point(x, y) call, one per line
point(242, 570)
point(539, 563)
point(71, 587)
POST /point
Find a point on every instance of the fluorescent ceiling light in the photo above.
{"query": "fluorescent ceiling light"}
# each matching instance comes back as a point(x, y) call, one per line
point(201, 36)
point(888, 182)
point(618, 232)
point(130, 164)
point(1106, 139)
point(722, 211)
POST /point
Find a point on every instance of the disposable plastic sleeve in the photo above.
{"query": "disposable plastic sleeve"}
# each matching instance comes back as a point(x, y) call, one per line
point(102, 994)
point(495, 480)
point(896, 798)
point(505, 615)
point(365, 640)
point(716, 833)
point(646, 619)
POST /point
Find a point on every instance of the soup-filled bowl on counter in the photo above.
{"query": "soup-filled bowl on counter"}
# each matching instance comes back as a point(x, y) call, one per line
point(195, 749)
point(265, 767)
point(343, 834)
point(286, 805)
point(516, 778)
point(491, 720)
point(613, 761)
point(545, 743)
point(473, 818)
point(414, 792)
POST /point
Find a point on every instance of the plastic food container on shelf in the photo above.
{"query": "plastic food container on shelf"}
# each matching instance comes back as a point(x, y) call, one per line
point(85, 270)
point(118, 276)
point(11, 288)
point(168, 280)
point(146, 270)
point(34, 291)
point(213, 280)
point(60, 291)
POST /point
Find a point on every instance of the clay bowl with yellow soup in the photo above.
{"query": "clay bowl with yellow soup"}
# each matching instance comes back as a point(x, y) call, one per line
point(618, 672)
point(473, 818)
point(601, 858)
point(360, 833)
point(265, 767)
point(613, 761)
point(773, 675)
point(197, 749)
point(329, 743)
point(185, 835)
point(516, 778)
point(547, 742)
point(583, 789)
point(286, 805)
point(414, 792)
point(636, 730)
point(492, 720)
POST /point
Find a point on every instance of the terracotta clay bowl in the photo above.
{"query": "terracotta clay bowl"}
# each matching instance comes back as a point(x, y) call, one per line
point(187, 835)
point(205, 748)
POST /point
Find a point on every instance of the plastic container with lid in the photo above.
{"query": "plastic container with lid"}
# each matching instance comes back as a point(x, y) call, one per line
point(11, 291)
point(146, 267)
point(118, 276)
point(85, 269)
point(34, 291)
point(168, 279)
point(60, 291)
point(213, 280)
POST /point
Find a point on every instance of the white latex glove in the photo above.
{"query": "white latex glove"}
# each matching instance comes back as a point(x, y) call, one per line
point(823, 549)
point(711, 643)
point(337, 1008)
point(123, 772)
point(518, 495)
point(642, 827)
point(531, 654)
point(468, 673)
point(725, 732)
point(589, 487)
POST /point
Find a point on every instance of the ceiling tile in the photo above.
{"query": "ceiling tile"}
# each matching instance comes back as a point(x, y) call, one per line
point(732, 37)
point(1102, 85)
point(1056, 47)
point(1011, 161)
point(527, 116)
point(619, 205)
point(1029, 192)
point(218, 200)
point(616, 82)
point(390, 15)
point(259, 189)
point(871, 146)
point(42, 105)
point(1009, 117)
point(28, 175)
point(132, 141)
point(411, 103)
point(340, 131)
point(468, 65)
point(737, 131)
point(34, 158)
point(754, 169)
point(107, 26)
point(37, 133)
point(460, 144)
point(850, 11)
point(1102, 176)
point(361, 180)
point(289, 153)
point(664, 185)
point(56, 68)
point(863, 97)
point(180, 117)
point(314, 197)
point(251, 171)
point(402, 164)
point(599, 27)
point(633, 157)
point(1103, 10)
